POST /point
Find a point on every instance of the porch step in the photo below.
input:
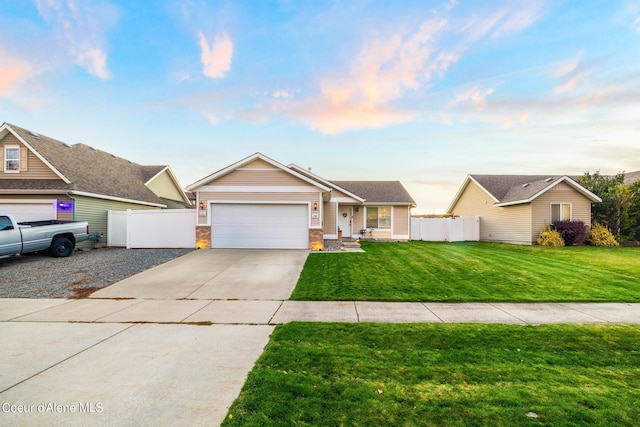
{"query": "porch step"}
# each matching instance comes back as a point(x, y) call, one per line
point(343, 245)
point(350, 245)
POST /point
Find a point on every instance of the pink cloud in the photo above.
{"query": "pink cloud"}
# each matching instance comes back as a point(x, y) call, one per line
point(330, 118)
point(13, 71)
point(216, 58)
point(81, 28)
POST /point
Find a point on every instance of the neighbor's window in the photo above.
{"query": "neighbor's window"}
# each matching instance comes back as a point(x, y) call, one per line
point(12, 159)
point(560, 212)
point(379, 217)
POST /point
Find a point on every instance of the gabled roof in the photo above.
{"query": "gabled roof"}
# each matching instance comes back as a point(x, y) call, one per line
point(87, 171)
point(509, 190)
point(325, 182)
point(378, 192)
point(222, 172)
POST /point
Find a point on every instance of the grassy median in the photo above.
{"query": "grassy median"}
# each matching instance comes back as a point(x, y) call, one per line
point(443, 374)
point(472, 271)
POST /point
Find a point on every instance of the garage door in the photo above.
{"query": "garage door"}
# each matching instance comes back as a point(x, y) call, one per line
point(30, 211)
point(259, 226)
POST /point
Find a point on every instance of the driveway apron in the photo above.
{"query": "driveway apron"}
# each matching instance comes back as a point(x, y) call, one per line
point(170, 346)
point(216, 274)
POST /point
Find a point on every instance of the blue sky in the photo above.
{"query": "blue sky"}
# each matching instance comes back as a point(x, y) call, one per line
point(423, 92)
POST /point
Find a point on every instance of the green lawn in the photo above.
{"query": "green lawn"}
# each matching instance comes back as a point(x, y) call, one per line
point(472, 271)
point(443, 374)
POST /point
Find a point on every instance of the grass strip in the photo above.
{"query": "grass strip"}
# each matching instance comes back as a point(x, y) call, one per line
point(472, 271)
point(318, 374)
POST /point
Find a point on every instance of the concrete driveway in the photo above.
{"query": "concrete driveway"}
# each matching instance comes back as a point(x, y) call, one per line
point(98, 362)
point(216, 274)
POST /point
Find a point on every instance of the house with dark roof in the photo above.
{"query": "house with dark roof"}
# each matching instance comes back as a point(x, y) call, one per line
point(516, 208)
point(260, 203)
point(43, 178)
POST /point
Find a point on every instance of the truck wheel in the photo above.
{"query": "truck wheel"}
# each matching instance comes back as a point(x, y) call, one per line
point(62, 247)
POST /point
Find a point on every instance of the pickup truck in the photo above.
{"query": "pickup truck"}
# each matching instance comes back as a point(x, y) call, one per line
point(58, 237)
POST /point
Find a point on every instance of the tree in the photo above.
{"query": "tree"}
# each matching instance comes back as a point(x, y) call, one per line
point(620, 207)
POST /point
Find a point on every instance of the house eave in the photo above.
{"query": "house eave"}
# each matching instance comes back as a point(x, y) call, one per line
point(240, 163)
point(117, 199)
point(185, 199)
point(325, 182)
point(463, 187)
point(7, 128)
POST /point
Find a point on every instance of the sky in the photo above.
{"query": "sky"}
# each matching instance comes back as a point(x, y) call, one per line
point(425, 92)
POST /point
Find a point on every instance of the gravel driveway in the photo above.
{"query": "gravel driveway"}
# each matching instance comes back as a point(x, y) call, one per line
point(41, 276)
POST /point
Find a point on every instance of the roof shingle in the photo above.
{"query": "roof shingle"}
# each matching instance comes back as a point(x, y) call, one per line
point(389, 192)
point(94, 171)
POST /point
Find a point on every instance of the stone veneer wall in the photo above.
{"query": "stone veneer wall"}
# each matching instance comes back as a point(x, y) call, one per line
point(316, 239)
point(203, 236)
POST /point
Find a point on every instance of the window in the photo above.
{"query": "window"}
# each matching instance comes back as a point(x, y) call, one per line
point(5, 223)
point(560, 212)
point(12, 159)
point(379, 217)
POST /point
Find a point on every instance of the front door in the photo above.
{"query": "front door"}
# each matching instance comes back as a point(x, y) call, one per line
point(344, 220)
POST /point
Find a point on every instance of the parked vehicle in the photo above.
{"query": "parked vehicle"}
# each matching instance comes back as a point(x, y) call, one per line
point(58, 237)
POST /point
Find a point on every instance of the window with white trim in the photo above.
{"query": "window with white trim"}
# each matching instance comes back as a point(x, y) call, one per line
point(560, 212)
point(12, 159)
point(379, 217)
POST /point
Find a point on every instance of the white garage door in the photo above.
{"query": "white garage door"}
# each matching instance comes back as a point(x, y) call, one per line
point(30, 211)
point(259, 226)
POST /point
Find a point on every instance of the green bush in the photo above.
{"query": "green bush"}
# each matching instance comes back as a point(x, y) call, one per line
point(550, 237)
point(601, 236)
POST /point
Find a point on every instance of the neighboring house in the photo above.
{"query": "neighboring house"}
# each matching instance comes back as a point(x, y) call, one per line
point(42, 178)
point(260, 203)
point(631, 177)
point(516, 208)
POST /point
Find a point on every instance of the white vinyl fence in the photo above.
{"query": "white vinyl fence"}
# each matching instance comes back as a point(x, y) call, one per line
point(152, 229)
point(446, 229)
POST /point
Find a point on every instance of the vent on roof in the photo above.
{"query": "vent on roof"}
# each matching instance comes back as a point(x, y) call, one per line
point(34, 134)
point(525, 185)
point(548, 180)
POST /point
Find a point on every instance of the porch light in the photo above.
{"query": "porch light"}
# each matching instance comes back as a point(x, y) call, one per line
point(201, 206)
point(315, 206)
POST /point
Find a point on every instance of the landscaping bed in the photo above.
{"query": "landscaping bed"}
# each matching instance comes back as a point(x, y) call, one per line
point(472, 271)
point(443, 374)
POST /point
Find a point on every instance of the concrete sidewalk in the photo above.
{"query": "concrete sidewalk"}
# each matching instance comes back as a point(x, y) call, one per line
point(183, 362)
point(273, 312)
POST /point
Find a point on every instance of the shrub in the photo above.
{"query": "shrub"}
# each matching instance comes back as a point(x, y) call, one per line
point(601, 236)
point(550, 237)
point(573, 232)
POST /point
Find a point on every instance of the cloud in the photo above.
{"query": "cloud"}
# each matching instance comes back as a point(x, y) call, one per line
point(80, 28)
point(14, 71)
point(509, 19)
point(216, 59)
point(381, 72)
point(636, 24)
point(390, 67)
point(475, 97)
point(570, 73)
